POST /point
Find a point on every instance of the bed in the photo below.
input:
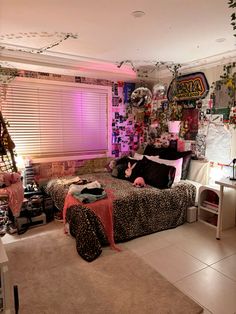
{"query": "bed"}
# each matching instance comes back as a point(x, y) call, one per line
point(136, 211)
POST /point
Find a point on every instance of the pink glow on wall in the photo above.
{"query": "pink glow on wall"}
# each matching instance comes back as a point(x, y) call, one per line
point(108, 68)
point(95, 136)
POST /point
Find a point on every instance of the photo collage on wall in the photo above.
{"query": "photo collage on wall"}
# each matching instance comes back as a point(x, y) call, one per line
point(123, 139)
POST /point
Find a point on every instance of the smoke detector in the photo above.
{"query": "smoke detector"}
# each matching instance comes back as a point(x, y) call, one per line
point(138, 13)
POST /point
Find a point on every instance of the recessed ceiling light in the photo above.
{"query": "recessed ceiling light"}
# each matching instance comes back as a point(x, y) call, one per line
point(138, 13)
point(220, 40)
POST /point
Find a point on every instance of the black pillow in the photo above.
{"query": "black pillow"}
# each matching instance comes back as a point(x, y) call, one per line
point(173, 155)
point(158, 175)
point(152, 150)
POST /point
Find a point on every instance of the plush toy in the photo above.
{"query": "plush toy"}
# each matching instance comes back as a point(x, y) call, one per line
point(139, 182)
point(128, 171)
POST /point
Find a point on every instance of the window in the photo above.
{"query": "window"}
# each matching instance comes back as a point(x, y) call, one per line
point(53, 119)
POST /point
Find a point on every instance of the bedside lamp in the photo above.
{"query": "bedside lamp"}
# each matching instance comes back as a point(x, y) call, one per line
point(174, 127)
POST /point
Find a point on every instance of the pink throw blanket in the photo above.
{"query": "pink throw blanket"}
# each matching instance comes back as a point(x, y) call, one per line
point(102, 209)
point(15, 194)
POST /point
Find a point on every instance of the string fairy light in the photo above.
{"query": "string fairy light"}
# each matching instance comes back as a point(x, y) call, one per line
point(21, 36)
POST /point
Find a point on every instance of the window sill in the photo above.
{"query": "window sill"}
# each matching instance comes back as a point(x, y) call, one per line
point(68, 158)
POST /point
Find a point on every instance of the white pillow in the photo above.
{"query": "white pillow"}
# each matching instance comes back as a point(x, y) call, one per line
point(175, 163)
point(138, 156)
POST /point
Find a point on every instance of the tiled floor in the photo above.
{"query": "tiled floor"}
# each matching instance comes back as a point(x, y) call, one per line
point(189, 257)
point(193, 260)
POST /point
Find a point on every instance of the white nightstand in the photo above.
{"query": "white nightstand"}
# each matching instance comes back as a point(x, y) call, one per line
point(220, 211)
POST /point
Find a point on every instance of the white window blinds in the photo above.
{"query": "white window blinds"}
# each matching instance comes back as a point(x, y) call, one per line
point(49, 120)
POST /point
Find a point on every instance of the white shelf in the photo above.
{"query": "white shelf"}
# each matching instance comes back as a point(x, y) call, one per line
point(223, 216)
point(209, 210)
point(207, 223)
point(208, 215)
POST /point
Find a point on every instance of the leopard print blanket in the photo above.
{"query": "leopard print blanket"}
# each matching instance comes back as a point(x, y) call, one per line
point(136, 211)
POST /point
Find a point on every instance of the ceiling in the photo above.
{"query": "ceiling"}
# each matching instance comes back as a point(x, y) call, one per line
point(104, 33)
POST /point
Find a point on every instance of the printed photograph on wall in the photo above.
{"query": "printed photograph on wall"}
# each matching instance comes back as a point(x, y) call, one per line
point(190, 123)
point(115, 101)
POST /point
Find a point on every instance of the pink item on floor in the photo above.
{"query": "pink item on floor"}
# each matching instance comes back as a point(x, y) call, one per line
point(15, 192)
point(101, 208)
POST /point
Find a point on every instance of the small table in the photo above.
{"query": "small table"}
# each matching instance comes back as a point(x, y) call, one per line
point(224, 182)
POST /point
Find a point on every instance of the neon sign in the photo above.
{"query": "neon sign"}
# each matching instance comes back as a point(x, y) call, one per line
point(189, 86)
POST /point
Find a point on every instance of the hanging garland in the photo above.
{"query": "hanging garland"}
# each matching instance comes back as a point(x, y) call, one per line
point(232, 5)
point(18, 36)
point(7, 74)
point(228, 79)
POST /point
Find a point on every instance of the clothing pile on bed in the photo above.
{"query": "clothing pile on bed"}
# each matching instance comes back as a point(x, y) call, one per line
point(88, 193)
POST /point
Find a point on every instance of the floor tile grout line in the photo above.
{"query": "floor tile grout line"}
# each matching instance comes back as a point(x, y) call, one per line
point(192, 256)
point(223, 258)
point(193, 273)
point(226, 276)
point(201, 260)
point(158, 271)
point(157, 249)
point(193, 298)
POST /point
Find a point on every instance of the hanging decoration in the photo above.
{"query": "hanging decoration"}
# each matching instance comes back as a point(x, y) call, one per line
point(228, 81)
point(61, 37)
point(141, 97)
point(158, 90)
